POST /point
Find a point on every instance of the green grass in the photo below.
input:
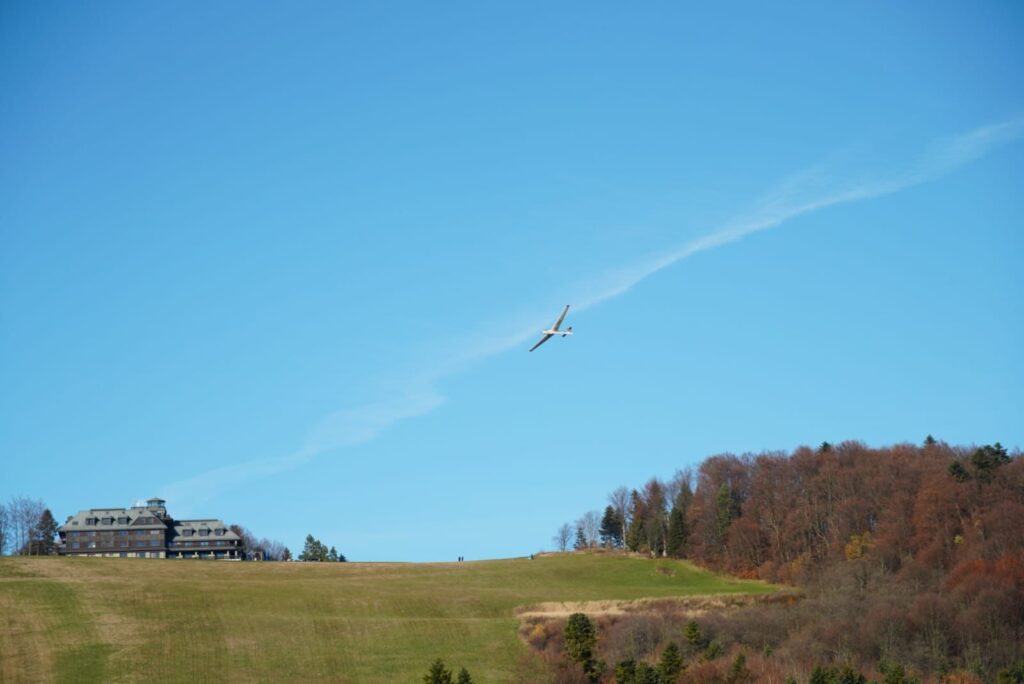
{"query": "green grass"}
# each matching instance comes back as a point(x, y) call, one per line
point(188, 621)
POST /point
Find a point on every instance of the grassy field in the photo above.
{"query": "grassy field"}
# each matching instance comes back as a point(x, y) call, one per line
point(81, 620)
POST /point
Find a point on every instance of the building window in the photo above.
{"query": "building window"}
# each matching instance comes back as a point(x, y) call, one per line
point(74, 545)
point(92, 545)
point(154, 531)
point(123, 533)
point(205, 543)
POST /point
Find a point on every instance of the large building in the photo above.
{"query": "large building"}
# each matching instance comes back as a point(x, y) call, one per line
point(146, 532)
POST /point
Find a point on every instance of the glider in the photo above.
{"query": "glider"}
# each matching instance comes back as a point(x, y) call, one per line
point(548, 334)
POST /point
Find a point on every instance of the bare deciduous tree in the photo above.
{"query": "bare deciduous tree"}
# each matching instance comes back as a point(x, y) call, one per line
point(590, 524)
point(3, 528)
point(23, 514)
point(563, 537)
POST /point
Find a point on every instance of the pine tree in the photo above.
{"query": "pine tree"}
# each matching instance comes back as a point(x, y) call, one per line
point(312, 549)
point(738, 672)
point(625, 672)
point(675, 545)
point(636, 536)
point(580, 637)
point(726, 511)
point(464, 677)
point(437, 674)
point(43, 533)
point(611, 529)
point(645, 674)
point(286, 555)
point(671, 663)
point(332, 555)
point(694, 638)
point(581, 539)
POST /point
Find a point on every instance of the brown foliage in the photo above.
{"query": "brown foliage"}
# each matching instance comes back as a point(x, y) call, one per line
point(901, 560)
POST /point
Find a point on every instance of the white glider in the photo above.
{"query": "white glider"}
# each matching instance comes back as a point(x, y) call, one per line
point(554, 330)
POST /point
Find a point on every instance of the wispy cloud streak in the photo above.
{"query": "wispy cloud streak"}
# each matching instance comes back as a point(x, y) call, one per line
point(419, 393)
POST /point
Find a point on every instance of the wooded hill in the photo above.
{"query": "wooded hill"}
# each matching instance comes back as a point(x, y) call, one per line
point(909, 555)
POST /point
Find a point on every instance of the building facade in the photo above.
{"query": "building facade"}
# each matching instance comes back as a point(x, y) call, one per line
point(146, 532)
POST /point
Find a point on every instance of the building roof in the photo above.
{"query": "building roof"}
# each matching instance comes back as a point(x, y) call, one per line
point(194, 529)
point(114, 519)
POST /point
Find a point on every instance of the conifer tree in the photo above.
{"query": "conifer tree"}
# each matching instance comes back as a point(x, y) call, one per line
point(42, 535)
point(675, 545)
point(464, 677)
point(695, 639)
point(581, 539)
point(671, 663)
point(438, 674)
point(611, 529)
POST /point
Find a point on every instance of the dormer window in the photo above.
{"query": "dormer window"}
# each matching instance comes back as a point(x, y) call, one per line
point(219, 532)
point(122, 520)
point(188, 532)
point(90, 521)
point(107, 520)
point(204, 532)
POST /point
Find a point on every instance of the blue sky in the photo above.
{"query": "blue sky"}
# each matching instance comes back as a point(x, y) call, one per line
point(281, 265)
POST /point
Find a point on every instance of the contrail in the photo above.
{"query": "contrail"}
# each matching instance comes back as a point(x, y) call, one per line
point(419, 393)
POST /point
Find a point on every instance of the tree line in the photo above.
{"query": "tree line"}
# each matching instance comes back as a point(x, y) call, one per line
point(27, 528)
point(909, 554)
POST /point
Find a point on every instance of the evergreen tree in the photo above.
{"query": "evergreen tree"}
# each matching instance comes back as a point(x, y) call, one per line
point(694, 638)
point(437, 674)
point(850, 676)
point(823, 675)
point(636, 537)
point(611, 529)
point(645, 674)
point(332, 555)
point(42, 535)
point(580, 637)
point(464, 677)
point(958, 472)
point(671, 663)
point(313, 550)
point(675, 545)
point(713, 651)
point(1010, 675)
point(580, 640)
point(625, 672)
point(286, 555)
point(727, 510)
point(738, 672)
point(581, 539)
point(987, 458)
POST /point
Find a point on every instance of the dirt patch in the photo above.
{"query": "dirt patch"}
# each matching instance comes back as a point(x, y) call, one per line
point(690, 606)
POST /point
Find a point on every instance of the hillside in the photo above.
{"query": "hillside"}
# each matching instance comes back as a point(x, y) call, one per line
point(908, 556)
point(186, 621)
